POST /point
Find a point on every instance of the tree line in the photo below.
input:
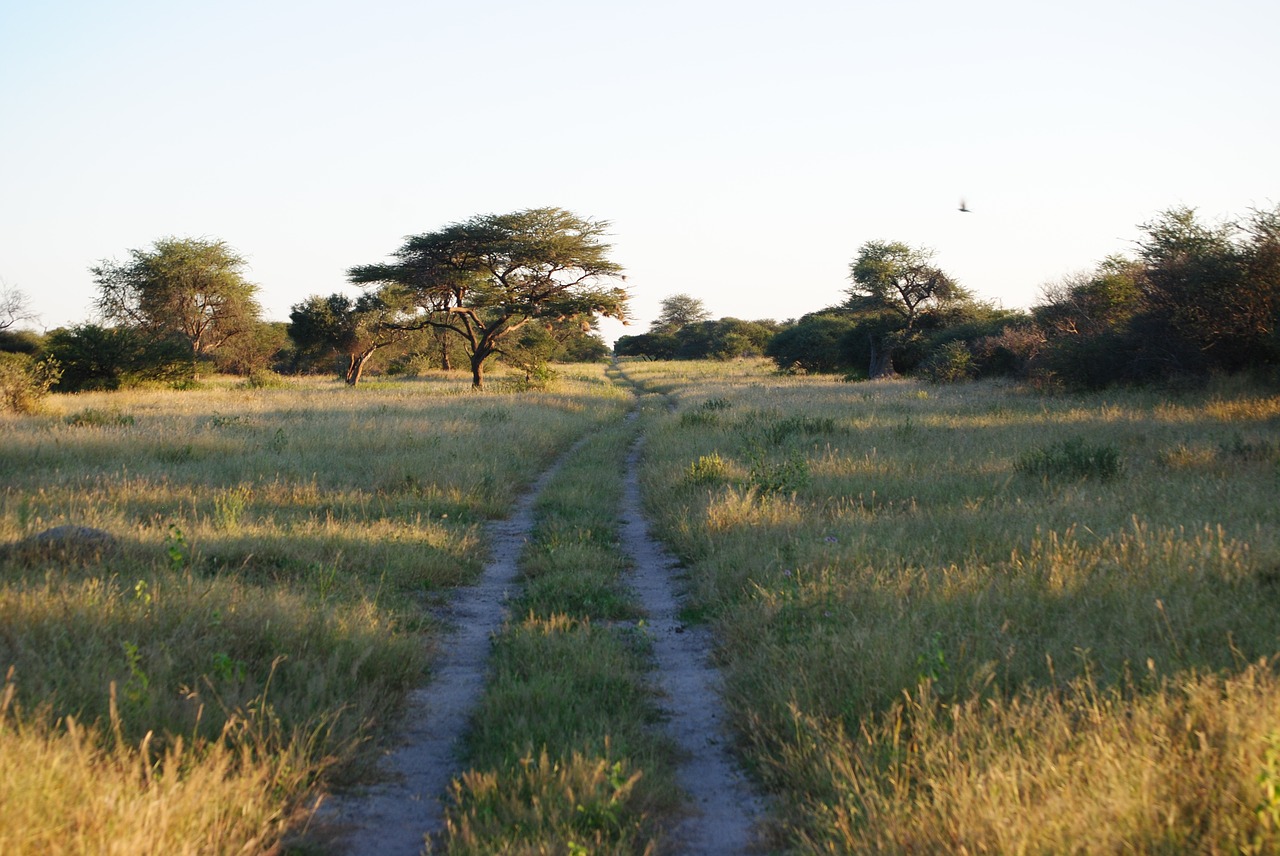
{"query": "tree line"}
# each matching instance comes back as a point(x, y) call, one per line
point(1193, 300)
point(528, 288)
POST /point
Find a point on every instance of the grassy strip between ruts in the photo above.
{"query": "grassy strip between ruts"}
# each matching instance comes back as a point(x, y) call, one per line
point(253, 633)
point(977, 619)
point(563, 750)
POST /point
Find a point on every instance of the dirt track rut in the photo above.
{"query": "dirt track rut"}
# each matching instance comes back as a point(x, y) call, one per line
point(396, 816)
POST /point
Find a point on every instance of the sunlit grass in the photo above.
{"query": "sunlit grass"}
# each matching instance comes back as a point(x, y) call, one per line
point(564, 750)
point(253, 633)
point(932, 645)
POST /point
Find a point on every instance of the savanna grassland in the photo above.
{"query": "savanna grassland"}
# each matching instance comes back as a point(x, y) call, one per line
point(255, 631)
point(974, 618)
point(953, 618)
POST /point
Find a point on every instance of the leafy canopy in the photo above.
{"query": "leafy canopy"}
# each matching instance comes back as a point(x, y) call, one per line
point(901, 278)
point(189, 287)
point(487, 277)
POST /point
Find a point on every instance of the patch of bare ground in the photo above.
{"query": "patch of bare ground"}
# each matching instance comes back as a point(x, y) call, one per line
point(724, 806)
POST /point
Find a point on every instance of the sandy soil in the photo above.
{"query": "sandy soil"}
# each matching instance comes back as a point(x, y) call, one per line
point(724, 805)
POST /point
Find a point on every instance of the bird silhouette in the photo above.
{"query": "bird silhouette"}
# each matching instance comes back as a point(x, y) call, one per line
point(964, 207)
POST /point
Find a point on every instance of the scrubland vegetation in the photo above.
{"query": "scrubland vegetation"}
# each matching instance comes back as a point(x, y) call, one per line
point(973, 618)
point(254, 632)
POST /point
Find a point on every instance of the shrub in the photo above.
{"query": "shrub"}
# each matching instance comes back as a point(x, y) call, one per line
point(952, 363)
point(707, 469)
point(24, 382)
point(95, 418)
point(1072, 459)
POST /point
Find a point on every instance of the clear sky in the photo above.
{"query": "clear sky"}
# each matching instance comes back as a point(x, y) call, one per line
point(742, 150)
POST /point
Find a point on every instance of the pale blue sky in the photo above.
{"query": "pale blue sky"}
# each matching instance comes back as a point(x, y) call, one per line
point(742, 150)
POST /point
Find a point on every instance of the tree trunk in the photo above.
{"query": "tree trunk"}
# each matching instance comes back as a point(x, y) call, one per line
point(477, 371)
point(881, 362)
point(355, 366)
point(444, 355)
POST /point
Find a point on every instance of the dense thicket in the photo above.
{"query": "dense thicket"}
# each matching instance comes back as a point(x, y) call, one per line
point(1194, 300)
point(1197, 299)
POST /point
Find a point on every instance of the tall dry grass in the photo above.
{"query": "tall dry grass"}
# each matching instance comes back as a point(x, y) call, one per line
point(974, 618)
point(251, 637)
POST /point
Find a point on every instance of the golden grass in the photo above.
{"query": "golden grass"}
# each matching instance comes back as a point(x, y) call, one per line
point(253, 634)
point(929, 650)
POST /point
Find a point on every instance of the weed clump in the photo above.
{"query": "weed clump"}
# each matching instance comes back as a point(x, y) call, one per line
point(93, 417)
point(1072, 459)
point(707, 469)
point(706, 413)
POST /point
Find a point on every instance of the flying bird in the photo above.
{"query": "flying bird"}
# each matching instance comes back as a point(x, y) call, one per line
point(964, 207)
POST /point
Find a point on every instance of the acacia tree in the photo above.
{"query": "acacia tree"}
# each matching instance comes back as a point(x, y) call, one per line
point(679, 311)
point(189, 287)
point(486, 278)
point(902, 280)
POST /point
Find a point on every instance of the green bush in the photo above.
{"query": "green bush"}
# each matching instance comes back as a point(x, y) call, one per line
point(24, 381)
point(951, 363)
point(1072, 459)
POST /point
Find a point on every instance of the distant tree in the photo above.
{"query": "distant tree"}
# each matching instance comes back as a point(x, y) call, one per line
point(14, 307)
point(903, 281)
point(679, 311)
point(723, 339)
point(1198, 298)
point(260, 348)
point(488, 277)
point(21, 342)
point(355, 329)
point(191, 287)
point(650, 346)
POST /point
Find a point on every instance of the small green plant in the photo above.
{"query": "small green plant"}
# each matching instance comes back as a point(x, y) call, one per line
point(777, 433)
point(139, 683)
point(707, 469)
point(227, 668)
point(93, 417)
point(279, 441)
point(325, 576)
point(932, 661)
point(264, 379)
point(1072, 459)
point(228, 506)
point(786, 476)
point(177, 548)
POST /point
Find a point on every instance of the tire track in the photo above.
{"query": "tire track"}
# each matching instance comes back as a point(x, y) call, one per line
point(394, 818)
point(725, 807)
